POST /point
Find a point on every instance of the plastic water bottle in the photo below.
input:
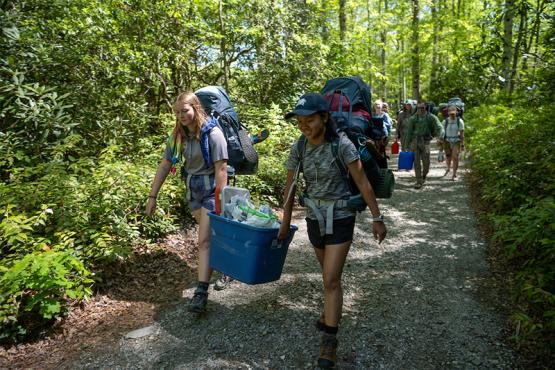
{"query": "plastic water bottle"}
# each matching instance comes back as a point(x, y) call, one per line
point(265, 209)
point(365, 155)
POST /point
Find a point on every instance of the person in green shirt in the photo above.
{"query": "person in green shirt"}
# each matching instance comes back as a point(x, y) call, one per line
point(421, 128)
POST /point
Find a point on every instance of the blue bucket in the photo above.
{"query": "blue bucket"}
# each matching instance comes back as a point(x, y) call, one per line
point(252, 255)
point(406, 160)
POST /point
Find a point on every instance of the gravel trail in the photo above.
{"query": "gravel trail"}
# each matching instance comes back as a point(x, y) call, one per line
point(417, 301)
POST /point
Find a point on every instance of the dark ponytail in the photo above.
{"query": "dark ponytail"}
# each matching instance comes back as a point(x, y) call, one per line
point(331, 127)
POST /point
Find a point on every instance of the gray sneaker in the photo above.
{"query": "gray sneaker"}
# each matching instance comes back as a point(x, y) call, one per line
point(223, 282)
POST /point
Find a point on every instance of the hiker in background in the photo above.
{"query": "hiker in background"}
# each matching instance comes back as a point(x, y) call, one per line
point(330, 224)
point(202, 144)
point(385, 108)
point(453, 142)
point(402, 123)
point(380, 113)
point(421, 128)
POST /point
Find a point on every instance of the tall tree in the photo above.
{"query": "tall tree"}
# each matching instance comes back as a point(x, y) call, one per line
point(437, 21)
point(383, 39)
point(415, 52)
point(223, 45)
point(508, 20)
point(522, 25)
point(342, 20)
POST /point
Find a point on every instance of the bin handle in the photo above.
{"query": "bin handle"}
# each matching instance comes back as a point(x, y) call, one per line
point(276, 244)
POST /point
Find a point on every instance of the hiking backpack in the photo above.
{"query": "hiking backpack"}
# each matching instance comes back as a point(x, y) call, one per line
point(242, 155)
point(457, 102)
point(349, 103)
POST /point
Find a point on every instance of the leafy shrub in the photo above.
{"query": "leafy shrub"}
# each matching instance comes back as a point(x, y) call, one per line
point(40, 283)
point(63, 218)
point(268, 184)
point(513, 160)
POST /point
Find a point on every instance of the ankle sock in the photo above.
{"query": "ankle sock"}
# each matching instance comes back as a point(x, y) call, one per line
point(202, 286)
point(330, 329)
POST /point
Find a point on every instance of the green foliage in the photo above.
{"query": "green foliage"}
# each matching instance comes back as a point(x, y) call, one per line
point(269, 182)
point(87, 87)
point(63, 218)
point(40, 283)
point(513, 160)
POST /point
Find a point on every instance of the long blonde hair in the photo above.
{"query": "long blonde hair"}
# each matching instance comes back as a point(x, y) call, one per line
point(188, 97)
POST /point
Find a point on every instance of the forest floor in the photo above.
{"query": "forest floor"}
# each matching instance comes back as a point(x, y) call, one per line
point(425, 298)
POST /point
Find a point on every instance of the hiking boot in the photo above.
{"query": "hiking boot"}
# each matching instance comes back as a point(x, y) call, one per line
point(328, 355)
point(418, 185)
point(424, 179)
point(198, 302)
point(223, 282)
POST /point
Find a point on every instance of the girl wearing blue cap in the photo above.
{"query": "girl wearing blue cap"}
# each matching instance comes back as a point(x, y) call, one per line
point(330, 224)
point(202, 144)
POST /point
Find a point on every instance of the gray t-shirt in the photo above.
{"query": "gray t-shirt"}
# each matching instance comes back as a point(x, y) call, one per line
point(323, 177)
point(192, 155)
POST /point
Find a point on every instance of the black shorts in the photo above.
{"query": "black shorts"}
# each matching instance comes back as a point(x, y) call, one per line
point(343, 230)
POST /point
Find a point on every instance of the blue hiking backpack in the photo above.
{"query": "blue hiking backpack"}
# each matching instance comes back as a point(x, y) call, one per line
point(242, 155)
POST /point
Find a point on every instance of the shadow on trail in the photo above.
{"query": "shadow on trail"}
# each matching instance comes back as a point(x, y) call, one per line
point(159, 277)
point(412, 302)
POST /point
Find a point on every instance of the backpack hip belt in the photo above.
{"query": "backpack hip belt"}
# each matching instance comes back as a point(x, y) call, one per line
point(325, 226)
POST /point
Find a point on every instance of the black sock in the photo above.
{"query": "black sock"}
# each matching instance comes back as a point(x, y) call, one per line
point(202, 286)
point(330, 329)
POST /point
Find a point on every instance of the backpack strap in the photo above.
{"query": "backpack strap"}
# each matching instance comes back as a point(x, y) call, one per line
point(325, 225)
point(205, 141)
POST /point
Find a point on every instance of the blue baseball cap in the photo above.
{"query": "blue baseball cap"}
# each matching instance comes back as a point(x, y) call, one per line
point(308, 104)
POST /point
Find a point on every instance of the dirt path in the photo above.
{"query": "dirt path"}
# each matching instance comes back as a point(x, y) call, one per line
point(420, 300)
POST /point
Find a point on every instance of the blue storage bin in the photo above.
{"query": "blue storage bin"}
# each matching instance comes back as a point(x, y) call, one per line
point(249, 254)
point(406, 160)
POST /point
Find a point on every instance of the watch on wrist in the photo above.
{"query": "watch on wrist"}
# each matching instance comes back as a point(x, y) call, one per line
point(377, 218)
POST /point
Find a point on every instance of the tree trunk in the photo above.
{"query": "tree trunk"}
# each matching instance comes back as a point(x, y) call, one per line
point(323, 22)
point(435, 47)
point(484, 33)
point(415, 54)
point(383, 37)
point(369, 44)
point(342, 20)
point(534, 33)
point(508, 20)
point(521, 33)
point(402, 76)
point(223, 46)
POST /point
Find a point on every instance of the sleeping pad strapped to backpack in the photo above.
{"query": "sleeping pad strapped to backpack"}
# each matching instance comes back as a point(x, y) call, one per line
point(242, 155)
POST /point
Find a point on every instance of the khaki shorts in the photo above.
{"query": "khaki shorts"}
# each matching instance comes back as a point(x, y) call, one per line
point(448, 147)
